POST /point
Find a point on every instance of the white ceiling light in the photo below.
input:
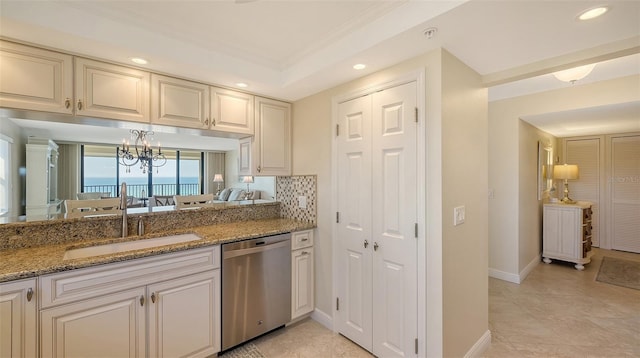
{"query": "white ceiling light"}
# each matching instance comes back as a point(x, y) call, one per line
point(593, 13)
point(242, 85)
point(574, 74)
point(359, 66)
point(139, 61)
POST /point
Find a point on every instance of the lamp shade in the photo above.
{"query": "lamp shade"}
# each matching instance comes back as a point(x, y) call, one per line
point(218, 178)
point(566, 171)
point(574, 74)
point(247, 179)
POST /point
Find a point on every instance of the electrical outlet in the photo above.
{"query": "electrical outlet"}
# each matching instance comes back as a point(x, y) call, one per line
point(458, 215)
point(302, 202)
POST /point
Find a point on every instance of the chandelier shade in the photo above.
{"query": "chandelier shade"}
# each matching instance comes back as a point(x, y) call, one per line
point(142, 153)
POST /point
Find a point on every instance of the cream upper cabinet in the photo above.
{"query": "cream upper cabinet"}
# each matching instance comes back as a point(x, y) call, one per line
point(179, 102)
point(111, 91)
point(268, 152)
point(18, 313)
point(35, 79)
point(231, 111)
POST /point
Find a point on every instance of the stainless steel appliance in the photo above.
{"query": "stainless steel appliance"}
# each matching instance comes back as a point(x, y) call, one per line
point(256, 287)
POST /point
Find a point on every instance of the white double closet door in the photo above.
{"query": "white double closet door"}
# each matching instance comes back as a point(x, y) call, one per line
point(376, 278)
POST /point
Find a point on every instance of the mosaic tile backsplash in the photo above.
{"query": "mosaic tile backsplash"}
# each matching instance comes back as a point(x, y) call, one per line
point(289, 188)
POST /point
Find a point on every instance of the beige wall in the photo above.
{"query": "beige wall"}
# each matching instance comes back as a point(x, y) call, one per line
point(455, 133)
point(530, 215)
point(18, 160)
point(464, 182)
point(508, 254)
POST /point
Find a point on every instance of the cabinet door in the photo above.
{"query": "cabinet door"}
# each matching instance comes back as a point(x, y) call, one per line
point(184, 316)
point(18, 329)
point(231, 111)
point(35, 79)
point(178, 102)
point(302, 282)
point(108, 326)
point(111, 91)
point(272, 142)
point(245, 156)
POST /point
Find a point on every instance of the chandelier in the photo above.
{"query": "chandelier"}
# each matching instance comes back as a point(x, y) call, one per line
point(143, 153)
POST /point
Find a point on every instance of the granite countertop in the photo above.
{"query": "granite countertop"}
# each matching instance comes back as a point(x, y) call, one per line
point(36, 261)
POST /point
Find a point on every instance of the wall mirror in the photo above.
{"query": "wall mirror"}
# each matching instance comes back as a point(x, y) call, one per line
point(545, 170)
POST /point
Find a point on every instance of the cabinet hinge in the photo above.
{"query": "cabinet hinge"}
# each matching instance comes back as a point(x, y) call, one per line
point(416, 344)
point(416, 230)
point(337, 130)
point(416, 114)
point(337, 303)
point(337, 217)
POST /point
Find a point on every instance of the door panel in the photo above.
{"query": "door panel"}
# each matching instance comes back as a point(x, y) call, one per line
point(394, 166)
point(377, 284)
point(625, 193)
point(354, 205)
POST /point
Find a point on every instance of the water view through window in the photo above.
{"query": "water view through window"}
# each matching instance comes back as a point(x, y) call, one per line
point(101, 172)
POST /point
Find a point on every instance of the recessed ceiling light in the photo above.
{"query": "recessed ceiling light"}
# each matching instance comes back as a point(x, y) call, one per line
point(242, 85)
point(139, 61)
point(359, 66)
point(593, 13)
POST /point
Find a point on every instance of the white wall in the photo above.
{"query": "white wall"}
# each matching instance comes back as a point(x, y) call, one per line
point(456, 132)
point(507, 253)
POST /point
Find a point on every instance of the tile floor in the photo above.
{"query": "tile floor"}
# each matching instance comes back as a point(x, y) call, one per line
point(556, 312)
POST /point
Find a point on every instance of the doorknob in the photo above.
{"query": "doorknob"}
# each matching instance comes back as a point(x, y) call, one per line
point(375, 246)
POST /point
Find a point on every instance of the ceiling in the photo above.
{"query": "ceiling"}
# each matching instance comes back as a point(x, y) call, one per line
point(292, 49)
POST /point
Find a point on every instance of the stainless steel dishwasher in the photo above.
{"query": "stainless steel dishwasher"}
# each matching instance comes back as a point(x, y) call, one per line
point(256, 287)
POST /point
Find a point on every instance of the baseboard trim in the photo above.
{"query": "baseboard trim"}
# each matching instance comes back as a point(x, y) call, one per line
point(322, 318)
point(480, 346)
point(512, 277)
point(504, 276)
point(527, 270)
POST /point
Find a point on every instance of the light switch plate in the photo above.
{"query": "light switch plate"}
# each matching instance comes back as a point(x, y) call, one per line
point(302, 202)
point(458, 215)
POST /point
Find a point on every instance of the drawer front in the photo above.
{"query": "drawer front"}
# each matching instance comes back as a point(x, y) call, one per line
point(301, 239)
point(74, 285)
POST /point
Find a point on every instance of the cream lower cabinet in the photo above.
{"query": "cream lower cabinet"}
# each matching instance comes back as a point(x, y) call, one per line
point(162, 306)
point(302, 274)
point(36, 79)
point(566, 233)
point(268, 152)
point(18, 314)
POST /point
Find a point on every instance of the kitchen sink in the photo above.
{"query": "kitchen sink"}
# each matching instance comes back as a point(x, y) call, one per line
point(128, 246)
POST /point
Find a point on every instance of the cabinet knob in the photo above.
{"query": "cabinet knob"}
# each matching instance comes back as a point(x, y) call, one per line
point(29, 294)
point(259, 169)
point(206, 122)
point(153, 297)
point(67, 103)
point(366, 244)
point(375, 246)
point(142, 300)
point(213, 122)
point(79, 104)
point(305, 253)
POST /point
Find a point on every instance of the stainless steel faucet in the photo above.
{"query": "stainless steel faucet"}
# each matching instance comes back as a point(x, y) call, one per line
point(123, 207)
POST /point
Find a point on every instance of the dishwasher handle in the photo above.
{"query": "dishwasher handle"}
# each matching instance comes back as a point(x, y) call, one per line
point(263, 247)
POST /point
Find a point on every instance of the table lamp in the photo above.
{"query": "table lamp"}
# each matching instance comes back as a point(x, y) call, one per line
point(566, 172)
point(217, 178)
point(248, 180)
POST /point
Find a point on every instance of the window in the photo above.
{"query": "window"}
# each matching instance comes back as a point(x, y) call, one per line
point(5, 175)
point(181, 175)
